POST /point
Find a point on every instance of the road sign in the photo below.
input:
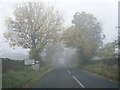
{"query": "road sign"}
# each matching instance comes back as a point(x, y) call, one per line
point(37, 67)
point(29, 61)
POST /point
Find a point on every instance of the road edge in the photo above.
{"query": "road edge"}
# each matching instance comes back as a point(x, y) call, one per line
point(35, 80)
point(97, 75)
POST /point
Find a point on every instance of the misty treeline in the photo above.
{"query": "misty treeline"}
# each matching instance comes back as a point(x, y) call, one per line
point(86, 36)
point(40, 28)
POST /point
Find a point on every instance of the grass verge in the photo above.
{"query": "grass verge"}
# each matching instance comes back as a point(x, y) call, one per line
point(35, 79)
point(23, 78)
point(110, 73)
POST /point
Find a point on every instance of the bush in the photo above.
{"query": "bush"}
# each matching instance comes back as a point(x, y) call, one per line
point(12, 65)
point(16, 78)
point(103, 70)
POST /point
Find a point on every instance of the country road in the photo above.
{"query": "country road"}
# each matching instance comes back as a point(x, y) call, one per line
point(66, 77)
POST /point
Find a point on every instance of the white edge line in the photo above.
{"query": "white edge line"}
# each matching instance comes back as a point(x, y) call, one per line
point(79, 82)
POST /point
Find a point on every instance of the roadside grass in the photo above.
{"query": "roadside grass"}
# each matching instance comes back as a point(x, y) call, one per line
point(23, 78)
point(110, 73)
point(34, 80)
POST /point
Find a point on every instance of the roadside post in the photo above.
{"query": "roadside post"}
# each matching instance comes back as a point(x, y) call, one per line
point(37, 66)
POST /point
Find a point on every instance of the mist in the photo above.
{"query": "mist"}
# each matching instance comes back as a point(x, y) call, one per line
point(58, 55)
point(59, 44)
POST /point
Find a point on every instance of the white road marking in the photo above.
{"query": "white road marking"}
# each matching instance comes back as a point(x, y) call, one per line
point(79, 82)
point(69, 72)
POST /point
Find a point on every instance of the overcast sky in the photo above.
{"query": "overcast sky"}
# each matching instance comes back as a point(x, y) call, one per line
point(106, 11)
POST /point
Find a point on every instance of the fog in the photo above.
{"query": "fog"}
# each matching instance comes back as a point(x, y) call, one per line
point(58, 55)
point(66, 58)
point(58, 43)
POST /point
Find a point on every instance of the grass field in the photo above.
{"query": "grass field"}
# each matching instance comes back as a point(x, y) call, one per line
point(110, 73)
point(23, 78)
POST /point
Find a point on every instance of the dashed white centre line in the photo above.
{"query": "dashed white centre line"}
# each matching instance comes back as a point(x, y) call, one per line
point(79, 82)
point(69, 72)
point(76, 80)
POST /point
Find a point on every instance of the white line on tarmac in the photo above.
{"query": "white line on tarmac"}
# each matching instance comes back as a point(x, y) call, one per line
point(79, 82)
point(69, 72)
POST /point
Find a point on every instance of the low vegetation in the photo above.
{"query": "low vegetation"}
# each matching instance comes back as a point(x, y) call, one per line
point(110, 73)
point(23, 78)
point(12, 65)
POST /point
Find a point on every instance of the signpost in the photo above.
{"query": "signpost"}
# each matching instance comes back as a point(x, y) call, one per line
point(29, 61)
point(37, 66)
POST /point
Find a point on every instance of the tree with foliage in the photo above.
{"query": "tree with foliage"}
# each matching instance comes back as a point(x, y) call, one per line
point(85, 35)
point(33, 26)
point(107, 52)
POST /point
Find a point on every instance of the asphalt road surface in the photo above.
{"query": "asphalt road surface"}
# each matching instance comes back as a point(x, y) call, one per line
point(66, 77)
